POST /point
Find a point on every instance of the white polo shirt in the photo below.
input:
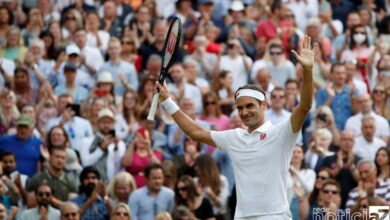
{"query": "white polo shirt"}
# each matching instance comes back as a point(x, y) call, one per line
point(260, 162)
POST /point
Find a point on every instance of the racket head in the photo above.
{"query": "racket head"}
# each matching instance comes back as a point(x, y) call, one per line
point(172, 42)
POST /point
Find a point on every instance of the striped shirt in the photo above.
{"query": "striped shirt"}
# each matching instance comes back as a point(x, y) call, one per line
point(382, 191)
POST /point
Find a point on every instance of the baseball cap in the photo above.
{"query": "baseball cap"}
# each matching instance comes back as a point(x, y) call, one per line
point(201, 2)
point(72, 49)
point(237, 6)
point(70, 67)
point(24, 119)
point(105, 77)
point(106, 112)
point(72, 162)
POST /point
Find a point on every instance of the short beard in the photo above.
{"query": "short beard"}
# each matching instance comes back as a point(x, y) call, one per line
point(88, 189)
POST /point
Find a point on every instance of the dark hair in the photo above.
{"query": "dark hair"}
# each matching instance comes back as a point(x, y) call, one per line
point(291, 81)
point(125, 110)
point(10, 15)
point(41, 184)
point(51, 50)
point(181, 212)
point(335, 65)
point(277, 89)
point(276, 4)
point(250, 86)
point(53, 149)
point(214, 96)
point(21, 68)
point(86, 171)
point(387, 150)
point(353, 31)
point(198, 144)
point(192, 192)
point(6, 154)
point(153, 166)
point(314, 195)
point(208, 172)
point(331, 182)
point(48, 137)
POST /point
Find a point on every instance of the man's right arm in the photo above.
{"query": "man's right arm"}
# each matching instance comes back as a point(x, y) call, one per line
point(187, 124)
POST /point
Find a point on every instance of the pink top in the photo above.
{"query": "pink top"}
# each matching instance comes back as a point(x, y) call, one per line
point(138, 165)
point(220, 124)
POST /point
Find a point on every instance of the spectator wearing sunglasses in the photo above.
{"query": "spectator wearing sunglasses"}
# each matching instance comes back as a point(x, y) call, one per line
point(277, 65)
point(343, 165)
point(121, 212)
point(322, 175)
point(328, 203)
point(276, 113)
point(43, 211)
point(379, 98)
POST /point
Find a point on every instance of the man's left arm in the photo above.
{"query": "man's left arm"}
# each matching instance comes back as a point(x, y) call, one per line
point(306, 59)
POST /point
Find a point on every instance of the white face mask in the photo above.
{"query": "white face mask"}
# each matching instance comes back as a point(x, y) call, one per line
point(359, 38)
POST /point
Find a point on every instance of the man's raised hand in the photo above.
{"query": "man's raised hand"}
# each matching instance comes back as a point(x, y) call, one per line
point(306, 53)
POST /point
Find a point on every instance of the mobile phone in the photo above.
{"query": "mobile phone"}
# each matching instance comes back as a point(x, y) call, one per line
point(100, 92)
point(112, 132)
point(75, 108)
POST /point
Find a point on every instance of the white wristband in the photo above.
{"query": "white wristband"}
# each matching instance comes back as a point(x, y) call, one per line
point(170, 106)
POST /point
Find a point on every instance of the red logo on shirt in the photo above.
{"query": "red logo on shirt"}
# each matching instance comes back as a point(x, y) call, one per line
point(263, 136)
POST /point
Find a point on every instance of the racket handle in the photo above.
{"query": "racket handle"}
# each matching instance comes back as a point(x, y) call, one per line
point(153, 107)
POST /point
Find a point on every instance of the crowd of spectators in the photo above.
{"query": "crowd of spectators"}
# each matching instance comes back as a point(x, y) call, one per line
point(77, 79)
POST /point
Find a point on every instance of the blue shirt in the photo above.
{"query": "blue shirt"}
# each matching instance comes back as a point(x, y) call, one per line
point(341, 105)
point(123, 67)
point(77, 129)
point(97, 211)
point(79, 93)
point(145, 207)
point(27, 152)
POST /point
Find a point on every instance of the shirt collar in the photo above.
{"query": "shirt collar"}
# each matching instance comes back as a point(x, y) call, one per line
point(263, 128)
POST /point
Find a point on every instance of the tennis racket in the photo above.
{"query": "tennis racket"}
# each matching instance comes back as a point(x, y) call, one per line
point(171, 44)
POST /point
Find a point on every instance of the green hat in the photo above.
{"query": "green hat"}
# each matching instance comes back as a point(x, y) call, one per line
point(24, 119)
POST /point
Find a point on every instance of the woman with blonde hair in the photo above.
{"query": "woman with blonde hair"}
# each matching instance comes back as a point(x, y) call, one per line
point(379, 97)
point(8, 110)
point(121, 212)
point(163, 216)
point(121, 187)
point(14, 48)
point(71, 21)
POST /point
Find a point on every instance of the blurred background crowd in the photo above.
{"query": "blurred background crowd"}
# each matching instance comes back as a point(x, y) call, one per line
point(77, 79)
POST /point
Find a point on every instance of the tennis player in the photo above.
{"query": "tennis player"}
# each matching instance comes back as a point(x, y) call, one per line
point(261, 153)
